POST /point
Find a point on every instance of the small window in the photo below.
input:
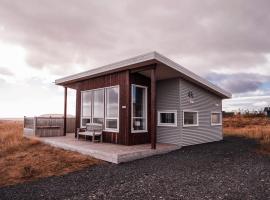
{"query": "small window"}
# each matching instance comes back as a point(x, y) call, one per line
point(190, 118)
point(216, 118)
point(167, 118)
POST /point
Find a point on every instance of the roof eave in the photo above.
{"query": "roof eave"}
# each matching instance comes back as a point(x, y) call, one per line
point(149, 57)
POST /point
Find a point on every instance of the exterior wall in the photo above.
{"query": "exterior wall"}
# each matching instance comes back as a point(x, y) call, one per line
point(124, 79)
point(121, 79)
point(205, 103)
point(172, 94)
point(168, 99)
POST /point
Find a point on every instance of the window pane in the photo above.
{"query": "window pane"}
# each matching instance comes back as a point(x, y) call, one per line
point(86, 104)
point(98, 104)
point(98, 120)
point(216, 118)
point(139, 124)
point(167, 118)
point(190, 118)
point(112, 102)
point(138, 101)
point(111, 123)
point(139, 109)
point(85, 121)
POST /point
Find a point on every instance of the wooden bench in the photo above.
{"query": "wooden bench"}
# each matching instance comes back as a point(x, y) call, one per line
point(92, 130)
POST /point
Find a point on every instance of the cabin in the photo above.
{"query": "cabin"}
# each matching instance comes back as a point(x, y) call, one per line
point(147, 99)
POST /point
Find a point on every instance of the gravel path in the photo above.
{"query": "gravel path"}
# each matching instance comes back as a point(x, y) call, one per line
point(229, 169)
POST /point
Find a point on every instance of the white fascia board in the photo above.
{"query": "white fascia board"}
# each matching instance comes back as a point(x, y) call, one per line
point(143, 58)
point(190, 74)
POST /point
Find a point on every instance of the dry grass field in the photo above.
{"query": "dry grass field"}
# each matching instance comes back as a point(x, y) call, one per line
point(257, 128)
point(23, 159)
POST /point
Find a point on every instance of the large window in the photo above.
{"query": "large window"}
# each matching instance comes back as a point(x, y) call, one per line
point(167, 118)
point(98, 106)
point(139, 109)
point(216, 118)
point(86, 107)
point(95, 104)
point(112, 108)
point(190, 118)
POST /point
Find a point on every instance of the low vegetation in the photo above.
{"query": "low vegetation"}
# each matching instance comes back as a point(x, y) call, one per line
point(254, 127)
point(24, 159)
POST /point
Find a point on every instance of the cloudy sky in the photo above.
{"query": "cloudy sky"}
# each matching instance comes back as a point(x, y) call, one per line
point(226, 42)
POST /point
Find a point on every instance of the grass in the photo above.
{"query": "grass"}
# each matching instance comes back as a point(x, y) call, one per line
point(24, 159)
point(257, 128)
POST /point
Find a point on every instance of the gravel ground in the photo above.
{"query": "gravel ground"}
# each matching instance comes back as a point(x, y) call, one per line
point(230, 169)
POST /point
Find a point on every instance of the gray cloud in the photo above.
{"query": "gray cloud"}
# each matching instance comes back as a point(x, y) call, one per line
point(240, 82)
point(227, 33)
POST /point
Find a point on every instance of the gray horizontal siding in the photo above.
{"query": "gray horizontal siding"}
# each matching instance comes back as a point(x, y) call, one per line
point(205, 103)
point(168, 99)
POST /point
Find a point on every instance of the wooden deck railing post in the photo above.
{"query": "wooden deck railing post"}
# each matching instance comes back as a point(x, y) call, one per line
point(153, 108)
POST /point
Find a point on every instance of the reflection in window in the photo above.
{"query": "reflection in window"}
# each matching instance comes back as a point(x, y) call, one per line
point(112, 107)
point(86, 104)
point(98, 106)
point(139, 108)
point(190, 118)
point(167, 118)
point(216, 118)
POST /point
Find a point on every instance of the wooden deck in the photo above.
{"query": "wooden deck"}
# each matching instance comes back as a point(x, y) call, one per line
point(114, 153)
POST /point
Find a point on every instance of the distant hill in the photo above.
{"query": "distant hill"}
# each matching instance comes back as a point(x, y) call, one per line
point(12, 119)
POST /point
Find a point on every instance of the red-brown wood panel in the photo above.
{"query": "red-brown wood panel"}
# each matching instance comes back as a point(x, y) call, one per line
point(119, 78)
point(124, 79)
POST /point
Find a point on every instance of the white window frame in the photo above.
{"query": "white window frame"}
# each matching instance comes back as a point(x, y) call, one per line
point(105, 103)
point(216, 124)
point(105, 111)
point(85, 117)
point(146, 108)
point(190, 125)
point(167, 124)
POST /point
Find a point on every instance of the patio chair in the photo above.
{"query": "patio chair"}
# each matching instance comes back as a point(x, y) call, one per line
point(93, 130)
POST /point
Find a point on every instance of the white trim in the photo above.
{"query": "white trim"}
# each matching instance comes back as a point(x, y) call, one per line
point(105, 113)
point(143, 58)
point(216, 124)
point(167, 124)
point(146, 109)
point(190, 125)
